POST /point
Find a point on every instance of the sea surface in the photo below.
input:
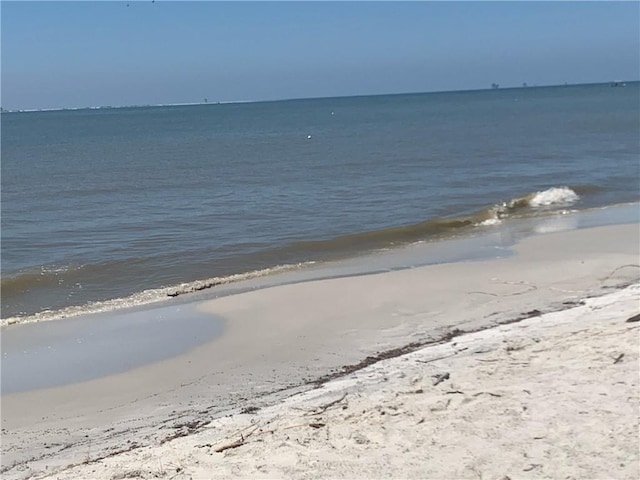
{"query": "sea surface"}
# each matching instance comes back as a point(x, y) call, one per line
point(105, 208)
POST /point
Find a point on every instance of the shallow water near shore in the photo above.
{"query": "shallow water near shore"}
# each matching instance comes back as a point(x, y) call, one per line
point(78, 349)
point(483, 244)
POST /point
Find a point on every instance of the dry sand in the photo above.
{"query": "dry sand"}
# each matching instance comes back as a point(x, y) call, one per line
point(551, 396)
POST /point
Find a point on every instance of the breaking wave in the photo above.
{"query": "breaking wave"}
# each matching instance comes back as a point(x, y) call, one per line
point(532, 204)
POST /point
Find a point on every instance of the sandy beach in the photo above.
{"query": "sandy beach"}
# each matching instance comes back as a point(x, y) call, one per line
point(524, 366)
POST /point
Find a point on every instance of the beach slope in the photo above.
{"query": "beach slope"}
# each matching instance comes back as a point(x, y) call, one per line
point(554, 396)
point(522, 366)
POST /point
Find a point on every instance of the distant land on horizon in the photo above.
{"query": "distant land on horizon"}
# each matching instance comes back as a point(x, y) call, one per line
point(494, 86)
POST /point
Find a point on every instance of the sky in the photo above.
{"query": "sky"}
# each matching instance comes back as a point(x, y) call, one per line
point(90, 53)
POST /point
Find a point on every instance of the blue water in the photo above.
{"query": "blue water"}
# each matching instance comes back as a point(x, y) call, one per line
point(109, 207)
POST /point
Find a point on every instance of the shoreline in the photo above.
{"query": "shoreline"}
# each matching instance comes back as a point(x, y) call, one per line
point(471, 242)
point(280, 339)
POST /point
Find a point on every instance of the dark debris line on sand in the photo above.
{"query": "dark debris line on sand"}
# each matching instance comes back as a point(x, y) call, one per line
point(396, 352)
point(412, 347)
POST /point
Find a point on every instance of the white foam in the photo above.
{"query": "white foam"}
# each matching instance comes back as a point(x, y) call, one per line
point(148, 296)
point(554, 196)
point(490, 221)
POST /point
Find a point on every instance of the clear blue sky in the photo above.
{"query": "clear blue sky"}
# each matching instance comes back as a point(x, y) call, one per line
point(72, 54)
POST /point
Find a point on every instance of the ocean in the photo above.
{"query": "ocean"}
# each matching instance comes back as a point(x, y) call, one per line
point(106, 208)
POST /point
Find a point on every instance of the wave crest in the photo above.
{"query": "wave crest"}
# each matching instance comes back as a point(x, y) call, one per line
point(554, 196)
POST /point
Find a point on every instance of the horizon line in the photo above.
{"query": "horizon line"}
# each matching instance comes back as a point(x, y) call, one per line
point(289, 99)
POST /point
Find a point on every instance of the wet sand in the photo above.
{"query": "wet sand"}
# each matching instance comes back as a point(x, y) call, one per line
point(72, 350)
